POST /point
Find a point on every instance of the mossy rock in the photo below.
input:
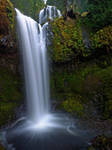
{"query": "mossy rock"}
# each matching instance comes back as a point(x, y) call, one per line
point(11, 14)
point(102, 40)
point(67, 42)
point(7, 17)
point(7, 26)
point(101, 143)
point(73, 105)
point(7, 112)
point(9, 86)
point(88, 85)
point(30, 8)
point(10, 95)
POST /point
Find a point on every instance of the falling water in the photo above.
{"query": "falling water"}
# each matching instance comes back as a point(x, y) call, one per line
point(34, 53)
point(45, 1)
point(33, 49)
point(32, 39)
point(50, 12)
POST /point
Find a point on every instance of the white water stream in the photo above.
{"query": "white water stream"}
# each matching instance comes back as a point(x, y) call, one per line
point(32, 40)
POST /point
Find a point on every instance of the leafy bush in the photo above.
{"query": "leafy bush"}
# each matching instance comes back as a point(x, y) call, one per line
point(67, 40)
point(7, 17)
point(102, 39)
point(7, 112)
point(10, 95)
point(101, 142)
point(88, 85)
point(99, 14)
point(73, 105)
point(29, 7)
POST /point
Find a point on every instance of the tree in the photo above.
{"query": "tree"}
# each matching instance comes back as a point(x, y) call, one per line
point(100, 14)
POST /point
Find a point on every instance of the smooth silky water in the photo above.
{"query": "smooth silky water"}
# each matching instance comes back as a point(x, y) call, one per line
point(40, 129)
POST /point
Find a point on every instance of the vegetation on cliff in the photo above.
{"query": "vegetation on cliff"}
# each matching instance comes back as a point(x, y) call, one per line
point(89, 85)
point(61, 5)
point(10, 95)
point(67, 42)
point(7, 16)
point(81, 76)
point(7, 25)
point(99, 14)
point(29, 7)
point(102, 39)
point(101, 142)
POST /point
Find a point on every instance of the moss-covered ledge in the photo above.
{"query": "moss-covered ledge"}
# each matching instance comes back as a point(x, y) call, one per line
point(67, 41)
point(10, 95)
point(7, 26)
point(10, 82)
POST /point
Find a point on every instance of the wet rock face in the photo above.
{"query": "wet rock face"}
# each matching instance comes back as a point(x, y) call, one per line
point(7, 16)
point(8, 46)
point(101, 142)
point(10, 94)
point(71, 14)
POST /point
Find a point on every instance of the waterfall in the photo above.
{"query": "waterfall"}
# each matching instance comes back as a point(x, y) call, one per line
point(40, 129)
point(45, 1)
point(32, 40)
point(33, 49)
point(49, 12)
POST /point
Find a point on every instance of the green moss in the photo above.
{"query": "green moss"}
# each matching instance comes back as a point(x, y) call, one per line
point(91, 83)
point(101, 142)
point(29, 7)
point(7, 112)
point(67, 40)
point(10, 95)
point(10, 83)
point(7, 18)
point(102, 39)
point(9, 86)
point(11, 14)
point(73, 105)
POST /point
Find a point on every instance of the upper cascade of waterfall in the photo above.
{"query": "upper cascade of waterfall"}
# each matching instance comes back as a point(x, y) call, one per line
point(45, 1)
point(49, 12)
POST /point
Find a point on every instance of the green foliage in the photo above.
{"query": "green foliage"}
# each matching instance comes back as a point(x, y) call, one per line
point(9, 86)
point(11, 14)
point(98, 88)
point(65, 84)
point(89, 84)
point(7, 16)
point(73, 105)
point(10, 95)
point(29, 7)
point(78, 6)
point(101, 143)
point(99, 14)
point(59, 4)
point(7, 112)
point(102, 39)
point(67, 40)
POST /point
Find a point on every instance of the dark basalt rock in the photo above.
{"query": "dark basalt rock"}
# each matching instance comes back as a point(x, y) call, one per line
point(71, 14)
